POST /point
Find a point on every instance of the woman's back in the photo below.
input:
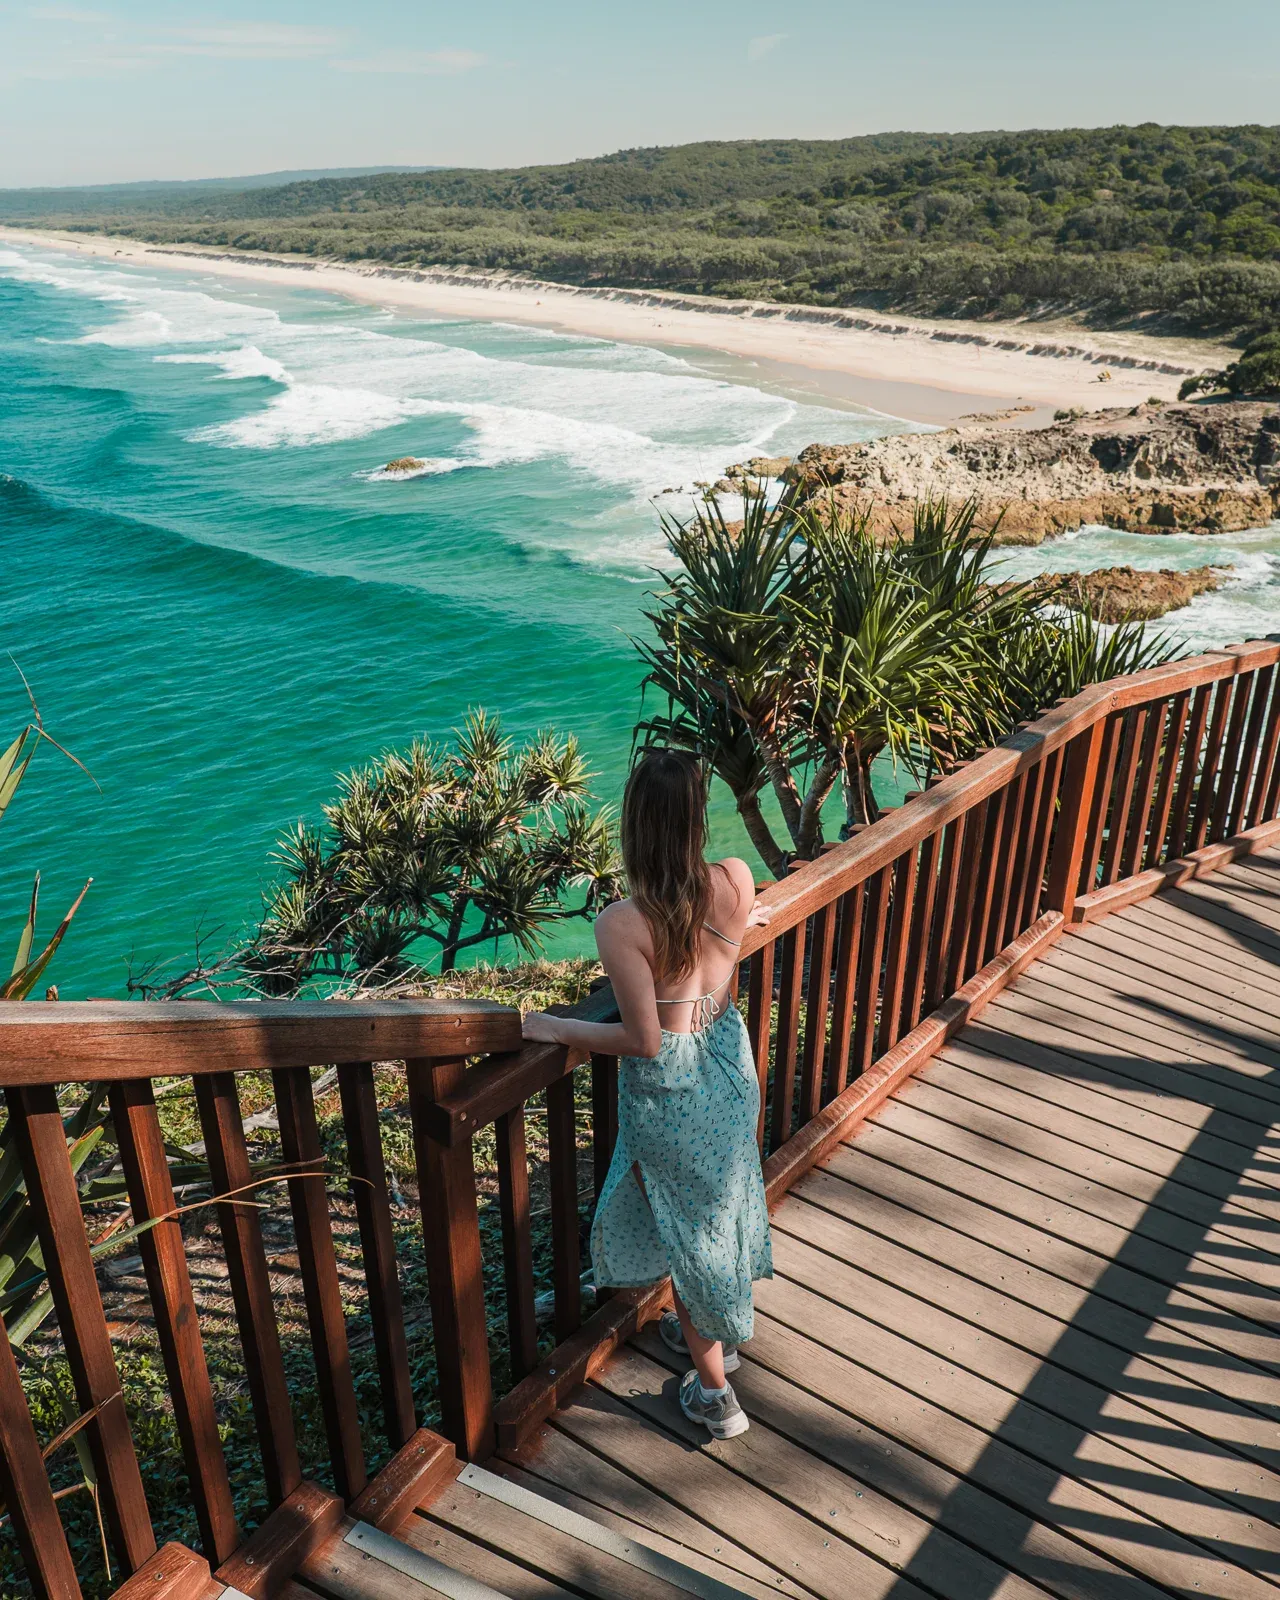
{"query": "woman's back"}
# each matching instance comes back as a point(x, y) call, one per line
point(689, 1003)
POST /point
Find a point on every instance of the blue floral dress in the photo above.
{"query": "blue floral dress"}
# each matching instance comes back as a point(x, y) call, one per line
point(687, 1119)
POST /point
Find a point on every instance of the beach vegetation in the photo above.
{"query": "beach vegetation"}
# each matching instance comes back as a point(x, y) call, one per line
point(1255, 373)
point(796, 651)
point(424, 854)
point(1176, 224)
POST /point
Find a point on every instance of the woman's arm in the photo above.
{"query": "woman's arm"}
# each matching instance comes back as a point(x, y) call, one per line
point(640, 1031)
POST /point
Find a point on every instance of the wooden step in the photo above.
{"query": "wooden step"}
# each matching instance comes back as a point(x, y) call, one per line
point(502, 1541)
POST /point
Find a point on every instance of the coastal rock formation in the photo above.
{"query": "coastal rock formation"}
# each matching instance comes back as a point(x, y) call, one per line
point(758, 467)
point(1209, 468)
point(1127, 594)
point(405, 464)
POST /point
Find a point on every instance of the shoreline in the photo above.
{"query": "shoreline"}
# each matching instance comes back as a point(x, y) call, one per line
point(931, 372)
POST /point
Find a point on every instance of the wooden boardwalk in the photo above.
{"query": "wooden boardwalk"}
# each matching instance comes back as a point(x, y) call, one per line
point(1021, 1341)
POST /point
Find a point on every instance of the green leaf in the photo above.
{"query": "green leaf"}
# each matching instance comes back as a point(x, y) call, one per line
point(12, 768)
point(27, 1321)
point(22, 982)
point(28, 932)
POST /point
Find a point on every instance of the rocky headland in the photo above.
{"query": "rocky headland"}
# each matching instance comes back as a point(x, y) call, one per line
point(1131, 594)
point(1200, 468)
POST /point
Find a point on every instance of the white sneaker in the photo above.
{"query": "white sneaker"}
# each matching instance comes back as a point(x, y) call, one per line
point(672, 1335)
point(721, 1415)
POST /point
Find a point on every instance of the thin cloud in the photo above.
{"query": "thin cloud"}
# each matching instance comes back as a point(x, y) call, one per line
point(249, 41)
point(765, 44)
point(66, 14)
point(421, 63)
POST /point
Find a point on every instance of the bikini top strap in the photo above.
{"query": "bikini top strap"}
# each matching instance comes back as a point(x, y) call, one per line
point(734, 942)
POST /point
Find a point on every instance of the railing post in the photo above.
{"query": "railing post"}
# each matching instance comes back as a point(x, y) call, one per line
point(177, 1320)
point(455, 1279)
point(1078, 785)
point(55, 1203)
point(378, 1246)
point(24, 1484)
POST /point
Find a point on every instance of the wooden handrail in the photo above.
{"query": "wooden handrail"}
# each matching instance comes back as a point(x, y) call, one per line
point(499, 1084)
point(109, 1041)
point(125, 1046)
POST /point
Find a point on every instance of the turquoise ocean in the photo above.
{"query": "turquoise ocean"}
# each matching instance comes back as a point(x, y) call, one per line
point(220, 600)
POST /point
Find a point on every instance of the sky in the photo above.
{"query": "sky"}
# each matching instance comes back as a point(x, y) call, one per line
point(131, 91)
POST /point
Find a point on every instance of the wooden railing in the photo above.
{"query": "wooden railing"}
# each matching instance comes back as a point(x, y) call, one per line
point(877, 952)
point(127, 1047)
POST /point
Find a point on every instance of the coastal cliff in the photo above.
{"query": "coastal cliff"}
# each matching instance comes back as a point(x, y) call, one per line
point(1211, 468)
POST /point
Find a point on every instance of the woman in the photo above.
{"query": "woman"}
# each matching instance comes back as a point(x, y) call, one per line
point(684, 1195)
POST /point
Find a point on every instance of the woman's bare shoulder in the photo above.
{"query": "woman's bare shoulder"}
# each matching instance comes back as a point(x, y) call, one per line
point(623, 922)
point(739, 874)
point(735, 892)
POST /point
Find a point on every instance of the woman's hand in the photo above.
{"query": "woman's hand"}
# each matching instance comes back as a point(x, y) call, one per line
point(761, 915)
point(540, 1027)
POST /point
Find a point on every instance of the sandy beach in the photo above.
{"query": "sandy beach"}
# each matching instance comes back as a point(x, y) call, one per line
point(926, 371)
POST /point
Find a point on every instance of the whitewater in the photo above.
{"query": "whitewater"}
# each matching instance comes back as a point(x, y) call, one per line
point(221, 599)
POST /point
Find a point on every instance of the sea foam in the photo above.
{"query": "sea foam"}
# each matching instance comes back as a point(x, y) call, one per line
point(245, 362)
point(636, 419)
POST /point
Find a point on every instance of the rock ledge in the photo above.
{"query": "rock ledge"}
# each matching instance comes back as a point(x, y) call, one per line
point(1207, 468)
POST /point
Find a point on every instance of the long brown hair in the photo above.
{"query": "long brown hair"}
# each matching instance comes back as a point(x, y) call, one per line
point(664, 834)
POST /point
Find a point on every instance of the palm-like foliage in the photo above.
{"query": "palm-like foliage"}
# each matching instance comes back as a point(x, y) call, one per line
point(895, 642)
point(721, 655)
point(28, 969)
point(447, 847)
point(1052, 657)
point(797, 650)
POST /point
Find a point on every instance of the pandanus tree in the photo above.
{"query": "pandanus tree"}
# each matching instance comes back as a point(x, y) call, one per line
point(721, 658)
point(428, 852)
point(797, 649)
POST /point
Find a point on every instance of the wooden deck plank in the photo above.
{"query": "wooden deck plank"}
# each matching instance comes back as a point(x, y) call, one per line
point(1165, 1420)
point(1106, 1184)
point(1023, 1264)
point(1166, 1090)
point(1086, 1119)
point(1217, 1320)
point(1134, 1106)
point(1263, 869)
point(1254, 898)
point(1259, 928)
point(1166, 930)
point(340, 1571)
point(1171, 1062)
point(687, 1555)
point(1159, 967)
point(922, 1390)
point(566, 1468)
point(1169, 1001)
point(477, 1560)
point(1244, 1059)
point(701, 1483)
point(842, 1499)
point(992, 1496)
point(1167, 1247)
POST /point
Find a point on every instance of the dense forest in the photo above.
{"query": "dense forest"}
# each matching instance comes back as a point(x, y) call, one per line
point(1179, 225)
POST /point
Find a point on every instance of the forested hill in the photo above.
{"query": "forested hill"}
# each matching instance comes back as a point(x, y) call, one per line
point(1181, 223)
